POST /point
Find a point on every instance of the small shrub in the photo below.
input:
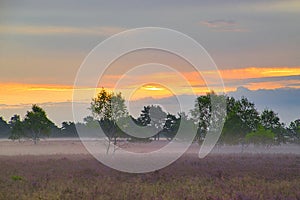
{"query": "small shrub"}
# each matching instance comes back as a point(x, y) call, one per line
point(17, 178)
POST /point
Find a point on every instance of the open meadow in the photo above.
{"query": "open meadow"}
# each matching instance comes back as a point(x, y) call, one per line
point(64, 170)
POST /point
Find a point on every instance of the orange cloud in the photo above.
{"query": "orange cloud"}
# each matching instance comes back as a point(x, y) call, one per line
point(259, 72)
point(17, 93)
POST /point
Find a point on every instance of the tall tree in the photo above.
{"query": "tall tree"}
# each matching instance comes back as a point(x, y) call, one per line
point(209, 113)
point(248, 114)
point(270, 121)
point(202, 114)
point(109, 108)
point(242, 118)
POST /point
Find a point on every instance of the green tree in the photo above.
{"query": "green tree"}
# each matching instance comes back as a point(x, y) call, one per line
point(270, 121)
point(17, 130)
point(242, 118)
point(248, 114)
point(261, 136)
point(232, 132)
point(294, 130)
point(209, 114)
point(36, 124)
point(202, 114)
point(109, 108)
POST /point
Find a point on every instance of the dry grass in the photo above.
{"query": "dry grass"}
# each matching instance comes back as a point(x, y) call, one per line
point(230, 176)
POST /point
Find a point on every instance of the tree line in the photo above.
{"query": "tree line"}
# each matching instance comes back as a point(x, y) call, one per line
point(243, 123)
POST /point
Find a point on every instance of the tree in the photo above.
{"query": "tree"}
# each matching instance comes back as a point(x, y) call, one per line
point(109, 108)
point(36, 124)
point(152, 117)
point(17, 130)
point(242, 118)
point(4, 128)
point(232, 132)
point(294, 129)
point(171, 126)
point(68, 129)
point(209, 114)
point(202, 114)
point(158, 118)
point(261, 136)
point(248, 114)
point(144, 118)
point(270, 121)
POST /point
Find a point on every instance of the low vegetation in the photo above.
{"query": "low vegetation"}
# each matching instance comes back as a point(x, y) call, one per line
point(215, 177)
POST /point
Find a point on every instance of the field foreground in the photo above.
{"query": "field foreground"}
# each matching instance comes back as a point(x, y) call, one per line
point(80, 176)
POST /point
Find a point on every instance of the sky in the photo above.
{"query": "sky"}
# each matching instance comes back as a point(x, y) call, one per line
point(255, 45)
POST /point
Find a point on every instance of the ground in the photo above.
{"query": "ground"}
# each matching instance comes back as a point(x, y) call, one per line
point(64, 170)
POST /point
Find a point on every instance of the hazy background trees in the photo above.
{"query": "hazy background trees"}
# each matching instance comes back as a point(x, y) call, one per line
point(34, 126)
point(4, 128)
point(243, 123)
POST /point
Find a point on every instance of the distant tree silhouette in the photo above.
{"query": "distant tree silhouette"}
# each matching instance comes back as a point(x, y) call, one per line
point(154, 118)
point(34, 126)
point(294, 129)
point(17, 129)
point(171, 126)
point(68, 129)
point(144, 118)
point(4, 128)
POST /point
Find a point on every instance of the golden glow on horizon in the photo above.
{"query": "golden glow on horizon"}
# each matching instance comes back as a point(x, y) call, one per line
point(17, 93)
point(154, 91)
point(153, 88)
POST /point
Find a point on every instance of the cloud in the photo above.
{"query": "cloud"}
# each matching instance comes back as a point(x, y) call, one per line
point(286, 6)
point(284, 79)
point(222, 25)
point(60, 30)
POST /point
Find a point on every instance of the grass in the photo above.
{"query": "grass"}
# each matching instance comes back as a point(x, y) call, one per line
point(215, 177)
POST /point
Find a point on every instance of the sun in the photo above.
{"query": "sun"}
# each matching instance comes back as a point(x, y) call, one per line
point(153, 87)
